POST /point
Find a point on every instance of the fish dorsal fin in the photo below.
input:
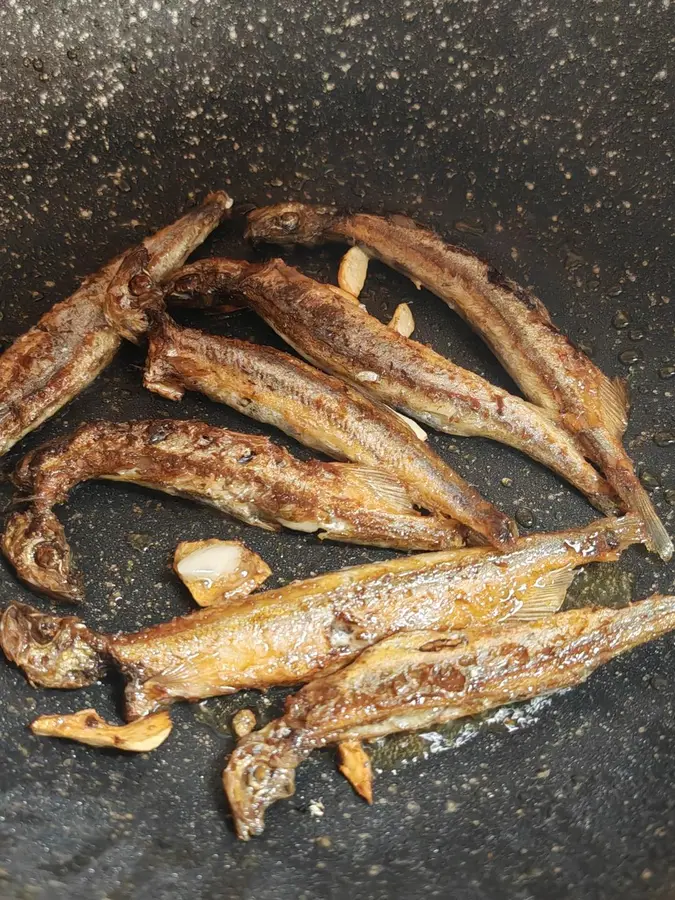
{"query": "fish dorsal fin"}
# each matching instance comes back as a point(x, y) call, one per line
point(615, 404)
point(545, 596)
point(387, 488)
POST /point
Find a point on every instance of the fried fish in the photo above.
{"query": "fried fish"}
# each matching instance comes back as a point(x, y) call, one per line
point(294, 633)
point(243, 475)
point(418, 679)
point(550, 370)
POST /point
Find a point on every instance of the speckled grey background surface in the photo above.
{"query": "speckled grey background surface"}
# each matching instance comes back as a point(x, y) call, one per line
point(540, 134)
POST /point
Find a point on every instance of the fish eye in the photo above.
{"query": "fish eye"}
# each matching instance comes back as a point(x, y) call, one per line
point(289, 221)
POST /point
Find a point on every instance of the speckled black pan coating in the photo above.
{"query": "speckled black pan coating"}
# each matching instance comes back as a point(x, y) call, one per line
point(540, 135)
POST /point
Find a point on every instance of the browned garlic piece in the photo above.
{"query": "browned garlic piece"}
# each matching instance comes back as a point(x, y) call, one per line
point(216, 571)
point(87, 727)
point(354, 764)
point(402, 320)
point(353, 270)
point(243, 722)
point(416, 428)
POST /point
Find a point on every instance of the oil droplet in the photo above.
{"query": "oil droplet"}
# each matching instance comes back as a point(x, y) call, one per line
point(667, 372)
point(664, 438)
point(629, 357)
point(620, 320)
point(525, 517)
point(38, 65)
point(670, 496)
point(123, 186)
point(615, 290)
point(71, 54)
point(636, 334)
point(649, 481)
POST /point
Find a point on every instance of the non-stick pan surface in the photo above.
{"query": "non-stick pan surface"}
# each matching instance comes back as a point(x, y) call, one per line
point(541, 135)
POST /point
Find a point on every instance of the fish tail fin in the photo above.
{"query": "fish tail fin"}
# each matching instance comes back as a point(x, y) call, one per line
point(618, 470)
point(637, 501)
point(53, 651)
point(657, 538)
point(629, 529)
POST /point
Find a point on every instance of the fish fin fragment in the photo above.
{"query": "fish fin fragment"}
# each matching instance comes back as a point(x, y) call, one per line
point(189, 679)
point(615, 404)
point(383, 485)
point(354, 764)
point(545, 596)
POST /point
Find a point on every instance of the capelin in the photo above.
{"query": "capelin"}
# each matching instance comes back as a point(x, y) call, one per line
point(52, 651)
point(35, 543)
point(260, 771)
point(291, 223)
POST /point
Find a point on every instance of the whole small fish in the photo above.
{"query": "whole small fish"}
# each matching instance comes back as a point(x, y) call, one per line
point(318, 410)
point(337, 334)
point(419, 679)
point(74, 341)
point(514, 323)
point(243, 475)
point(292, 634)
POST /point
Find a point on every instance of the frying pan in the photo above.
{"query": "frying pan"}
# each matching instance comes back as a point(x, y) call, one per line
point(539, 135)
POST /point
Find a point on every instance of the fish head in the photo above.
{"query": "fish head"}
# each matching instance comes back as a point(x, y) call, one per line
point(52, 651)
point(291, 223)
point(35, 543)
point(260, 771)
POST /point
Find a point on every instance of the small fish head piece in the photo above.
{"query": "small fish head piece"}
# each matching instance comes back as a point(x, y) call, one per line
point(35, 543)
point(291, 223)
point(52, 651)
point(256, 777)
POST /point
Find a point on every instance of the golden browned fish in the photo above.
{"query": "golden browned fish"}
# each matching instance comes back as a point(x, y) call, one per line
point(419, 679)
point(514, 323)
point(294, 633)
point(337, 334)
point(243, 475)
point(318, 410)
point(74, 341)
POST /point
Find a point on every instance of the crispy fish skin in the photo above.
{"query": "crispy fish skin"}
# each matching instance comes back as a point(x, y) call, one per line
point(243, 475)
point(318, 410)
point(341, 337)
point(293, 634)
point(514, 323)
point(422, 678)
point(73, 342)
